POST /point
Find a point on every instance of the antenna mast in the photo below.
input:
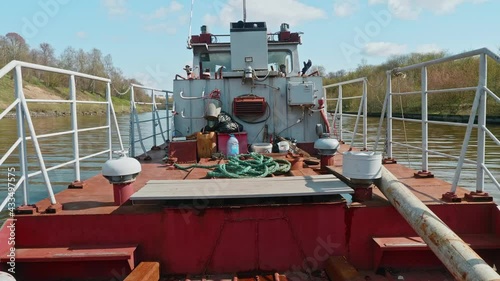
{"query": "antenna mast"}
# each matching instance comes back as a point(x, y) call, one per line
point(244, 10)
point(190, 26)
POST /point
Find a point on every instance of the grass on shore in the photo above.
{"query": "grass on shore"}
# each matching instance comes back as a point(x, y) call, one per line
point(121, 104)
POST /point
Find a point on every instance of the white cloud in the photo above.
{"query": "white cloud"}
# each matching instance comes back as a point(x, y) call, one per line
point(115, 7)
point(411, 9)
point(428, 48)
point(175, 6)
point(161, 28)
point(276, 12)
point(344, 8)
point(383, 49)
point(81, 34)
point(162, 12)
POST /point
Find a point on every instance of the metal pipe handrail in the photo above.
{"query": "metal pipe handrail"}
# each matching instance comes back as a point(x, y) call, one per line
point(362, 110)
point(352, 81)
point(493, 95)
point(482, 51)
point(68, 163)
point(150, 88)
point(9, 108)
point(345, 98)
point(488, 172)
point(13, 64)
point(492, 136)
point(16, 187)
point(181, 94)
point(468, 161)
point(68, 132)
point(351, 115)
point(25, 126)
point(437, 91)
point(9, 152)
point(66, 101)
point(155, 120)
point(147, 103)
point(478, 108)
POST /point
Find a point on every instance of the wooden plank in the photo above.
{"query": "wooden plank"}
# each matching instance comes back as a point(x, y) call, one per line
point(145, 271)
point(242, 188)
point(98, 253)
point(338, 268)
point(475, 241)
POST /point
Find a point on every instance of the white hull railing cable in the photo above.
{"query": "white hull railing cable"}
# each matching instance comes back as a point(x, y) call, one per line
point(23, 118)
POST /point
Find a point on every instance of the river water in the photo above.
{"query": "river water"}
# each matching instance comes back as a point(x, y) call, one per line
point(58, 150)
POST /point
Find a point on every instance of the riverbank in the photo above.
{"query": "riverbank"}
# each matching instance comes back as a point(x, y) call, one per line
point(436, 117)
point(39, 91)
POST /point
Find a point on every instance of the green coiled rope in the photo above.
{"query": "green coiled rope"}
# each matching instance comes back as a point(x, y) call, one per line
point(255, 166)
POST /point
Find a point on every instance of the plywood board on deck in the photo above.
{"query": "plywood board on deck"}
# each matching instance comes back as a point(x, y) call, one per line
point(242, 188)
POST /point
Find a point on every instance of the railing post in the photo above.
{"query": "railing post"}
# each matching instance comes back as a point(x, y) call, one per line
point(108, 119)
point(341, 136)
point(21, 133)
point(389, 116)
point(153, 116)
point(365, 114)
point(425, 125)
point(34, 138)
point(481, 114)
point(168, 117)
point(74, 126)
point(132, 115)
point(326, 108)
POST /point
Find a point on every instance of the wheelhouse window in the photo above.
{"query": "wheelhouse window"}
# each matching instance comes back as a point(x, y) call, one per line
point(280, 59)
point(277, 60)
point(213, 61)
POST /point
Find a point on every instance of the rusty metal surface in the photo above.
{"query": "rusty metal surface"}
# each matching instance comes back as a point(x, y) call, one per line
point(217, 236)
point(428, 190)
point(454, 253)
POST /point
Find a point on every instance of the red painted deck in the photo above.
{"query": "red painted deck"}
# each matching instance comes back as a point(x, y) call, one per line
point(295, 238)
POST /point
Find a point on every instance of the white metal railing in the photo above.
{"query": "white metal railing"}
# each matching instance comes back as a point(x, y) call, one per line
point(478, 109)
point(23, 118)
point(156, 119)
point(339, 114)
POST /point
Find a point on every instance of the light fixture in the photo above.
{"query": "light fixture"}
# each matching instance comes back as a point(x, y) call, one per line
point(212, 111)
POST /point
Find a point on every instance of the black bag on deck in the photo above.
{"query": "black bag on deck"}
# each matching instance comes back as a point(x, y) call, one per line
point(225, 124)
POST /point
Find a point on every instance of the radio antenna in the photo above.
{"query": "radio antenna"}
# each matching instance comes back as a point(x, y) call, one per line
point(190, 26)
point(244, 10)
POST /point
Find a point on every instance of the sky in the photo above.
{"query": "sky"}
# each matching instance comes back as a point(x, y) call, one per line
point(148, 39)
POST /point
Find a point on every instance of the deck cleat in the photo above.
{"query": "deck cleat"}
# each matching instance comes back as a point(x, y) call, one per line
point(76, 185)
point(451, 197)
point(478, 196)
point(423, 174)
point(54, 208)
point(26, 210)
